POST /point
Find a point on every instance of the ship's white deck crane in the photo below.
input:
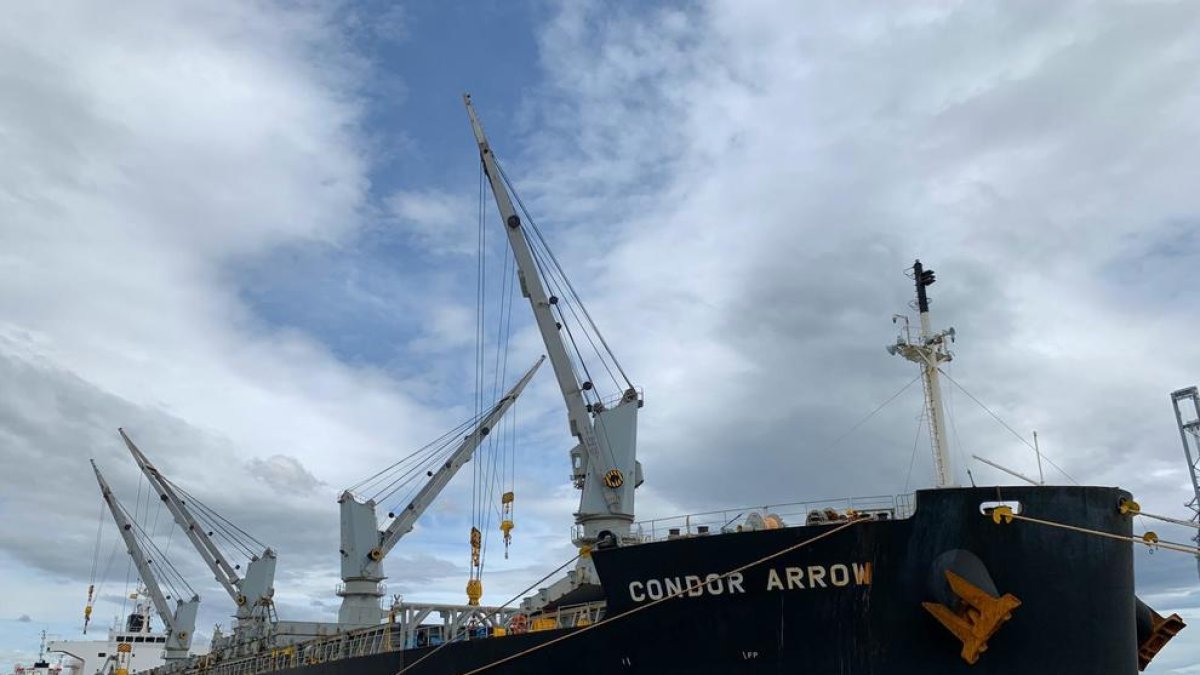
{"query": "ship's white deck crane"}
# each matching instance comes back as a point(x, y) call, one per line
point(251, 594)
point(604, 462)
point(364, 546)
point(180, 622)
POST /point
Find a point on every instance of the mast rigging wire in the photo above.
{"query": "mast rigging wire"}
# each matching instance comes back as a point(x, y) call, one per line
point(869, 415)
point(1006, 426)
point(558, 267)
point(916, 441)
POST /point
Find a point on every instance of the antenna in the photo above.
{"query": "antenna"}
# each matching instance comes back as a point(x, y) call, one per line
point(1038, 451)
point(1006, 470)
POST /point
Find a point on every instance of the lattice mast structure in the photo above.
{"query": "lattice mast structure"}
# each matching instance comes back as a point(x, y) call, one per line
point(1187, 416)
point(929, 351)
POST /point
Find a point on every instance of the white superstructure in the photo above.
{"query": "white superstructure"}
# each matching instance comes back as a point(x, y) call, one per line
point(132, 646)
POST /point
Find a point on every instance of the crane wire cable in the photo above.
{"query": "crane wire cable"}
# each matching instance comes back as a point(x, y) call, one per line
point(666, 597)
point(171, 575)
point(415, 485)
point(496, 458)
point(419, 456)
point(480, 297)
point(564, 299)
point(577, 363)
point(373, 479)
point(537, 232)
point(245, 536)
point(433, 457)
point(588, 375)
point(545, 268)
point(96, 548)
point(216, 523)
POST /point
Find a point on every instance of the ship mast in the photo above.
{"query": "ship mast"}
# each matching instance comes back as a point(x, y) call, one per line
point(604, 463)
point(929, 351)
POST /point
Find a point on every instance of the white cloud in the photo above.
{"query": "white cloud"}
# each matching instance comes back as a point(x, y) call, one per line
point(444, 223)
point(151, 150)
point(757, 175)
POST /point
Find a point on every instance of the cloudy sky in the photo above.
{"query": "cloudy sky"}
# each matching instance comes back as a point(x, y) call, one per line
point(247, 233)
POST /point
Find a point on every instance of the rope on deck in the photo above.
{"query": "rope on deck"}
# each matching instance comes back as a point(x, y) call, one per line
point(635, 610)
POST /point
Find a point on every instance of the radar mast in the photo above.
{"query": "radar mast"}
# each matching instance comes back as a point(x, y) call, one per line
point(929, 350)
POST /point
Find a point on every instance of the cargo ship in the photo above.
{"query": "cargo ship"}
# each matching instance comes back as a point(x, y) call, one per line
point(998, 580)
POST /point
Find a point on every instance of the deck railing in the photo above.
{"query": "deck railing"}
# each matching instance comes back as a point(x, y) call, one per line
point(882, 507)
point(381, 639)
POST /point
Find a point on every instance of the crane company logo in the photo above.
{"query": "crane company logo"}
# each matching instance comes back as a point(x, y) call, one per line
point(839, 575)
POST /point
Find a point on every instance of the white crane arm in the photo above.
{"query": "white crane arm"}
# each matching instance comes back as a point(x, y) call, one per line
point(221, 569)
point(404, 522)
point(578, 419)
point(181, 621)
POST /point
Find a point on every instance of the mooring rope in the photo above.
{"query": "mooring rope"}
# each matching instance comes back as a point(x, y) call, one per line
point(1148, 540)
point(669, 596)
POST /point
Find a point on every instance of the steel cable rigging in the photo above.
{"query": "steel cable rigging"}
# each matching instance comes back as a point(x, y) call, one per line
point(491, 477)
point(168, 575)
point(564, 293)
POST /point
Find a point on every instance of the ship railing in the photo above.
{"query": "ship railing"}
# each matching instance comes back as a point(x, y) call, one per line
point(770, 516)
point(477, 623)
point(351, 644)
point(569, 616)
point(340, 589)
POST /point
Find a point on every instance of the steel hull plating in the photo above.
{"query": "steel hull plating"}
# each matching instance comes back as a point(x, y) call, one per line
point(849, 604)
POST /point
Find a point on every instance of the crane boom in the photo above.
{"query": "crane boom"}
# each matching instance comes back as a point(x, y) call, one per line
point(254, 592)
point(604, 462)
point(223, 572)
point(181, 621)
point(403, 523)
point(364, 546)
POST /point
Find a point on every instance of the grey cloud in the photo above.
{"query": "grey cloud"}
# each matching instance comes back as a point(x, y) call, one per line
point(24, 618)
point(776, 169)
point(735, 190)
point(284, 473)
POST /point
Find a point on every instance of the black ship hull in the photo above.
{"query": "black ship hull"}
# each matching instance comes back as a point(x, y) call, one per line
point(848, 604)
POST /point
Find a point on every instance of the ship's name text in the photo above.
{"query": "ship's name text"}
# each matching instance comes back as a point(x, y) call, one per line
point(808, 577)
